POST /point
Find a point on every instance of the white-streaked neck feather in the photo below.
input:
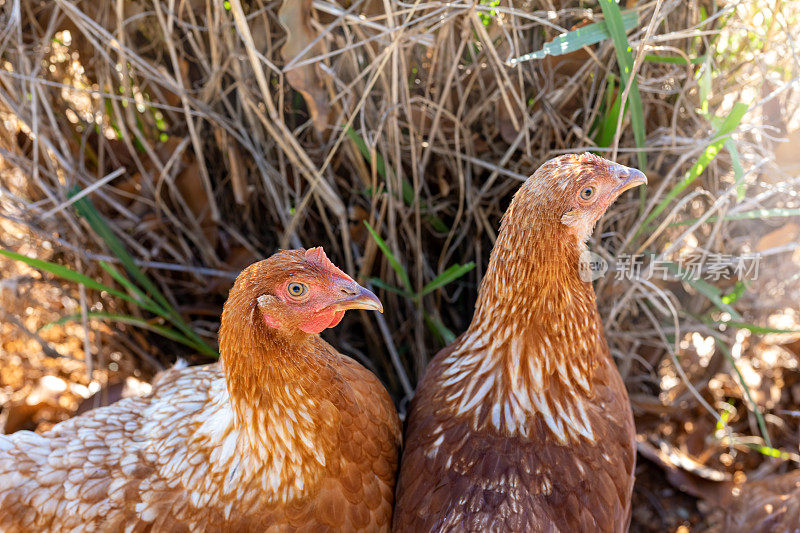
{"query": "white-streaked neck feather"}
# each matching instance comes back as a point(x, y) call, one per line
point(530, 349)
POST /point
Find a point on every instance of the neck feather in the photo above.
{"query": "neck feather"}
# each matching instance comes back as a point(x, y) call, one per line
point(273, 386)
point(268, 376)
point(533, 342)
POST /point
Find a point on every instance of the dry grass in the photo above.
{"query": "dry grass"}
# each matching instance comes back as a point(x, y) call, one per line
point(209, 137)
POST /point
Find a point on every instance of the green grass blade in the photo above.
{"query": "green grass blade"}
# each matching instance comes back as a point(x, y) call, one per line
point(769, 452)
point(577, 39)
point(380, 164)
point(736, 165)
point(711, 292)
point(131, 320)
point(727, 127)
point(67, 274)
point(724, 416)
point(378, 282)
point(380, 168)
point(714, 295)
point(144, 301)
point(86, 209)
point(71, 275)
point(705, 82)
point(395, 264)
point(762, 330)
point(436, 223)
point(607, 125)
point(451, 274)
point(617, 29)
point(441, 331)
point(677, 60)
point(487, 19)
point(735, 293)
point(759, 214)
point(762, 426)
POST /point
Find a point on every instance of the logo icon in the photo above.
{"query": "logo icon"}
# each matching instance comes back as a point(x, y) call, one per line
point(592, 266)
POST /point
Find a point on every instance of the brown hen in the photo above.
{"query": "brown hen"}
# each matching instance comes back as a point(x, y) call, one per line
point(523, 423)
point(286, 434)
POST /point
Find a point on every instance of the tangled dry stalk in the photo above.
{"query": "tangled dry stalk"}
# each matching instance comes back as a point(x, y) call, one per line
point(208, 134)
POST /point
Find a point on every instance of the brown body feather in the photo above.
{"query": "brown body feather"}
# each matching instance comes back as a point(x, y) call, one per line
point(288, 435)
point(523, 423)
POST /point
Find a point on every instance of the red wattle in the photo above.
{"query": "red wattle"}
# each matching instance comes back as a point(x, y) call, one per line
point(337, 317)
point(321, 321)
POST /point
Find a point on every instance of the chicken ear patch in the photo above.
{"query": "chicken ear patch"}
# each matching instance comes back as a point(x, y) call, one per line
point(271, 321)
point(575, 220)
point(570, 218)
point(265, 301)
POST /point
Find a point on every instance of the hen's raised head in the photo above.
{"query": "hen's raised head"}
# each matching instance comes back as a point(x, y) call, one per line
point(296, 293)
point(576, 189)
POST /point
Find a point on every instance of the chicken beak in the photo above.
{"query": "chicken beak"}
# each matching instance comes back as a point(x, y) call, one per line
point(629, 178)
point(358, 297)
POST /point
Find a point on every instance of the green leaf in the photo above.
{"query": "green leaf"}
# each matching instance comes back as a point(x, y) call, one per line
point(751, 404)
point(761, 330)
point(577, 39)
point(68, 274)
point(442, 333)
point(395, 264)
point(678, 60)
point(758, 214)
point(451, 274)
point(378, 282)
point(380, 168)
point(131, 320)
point(617, 29)
point(86, 209)
point(144, 301)
point(736, 165)
point(727, 127)
point(607, 125)
point(711, 292)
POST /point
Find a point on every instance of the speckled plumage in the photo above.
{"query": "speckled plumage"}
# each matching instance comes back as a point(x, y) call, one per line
point(292, 435)
point(523, 423)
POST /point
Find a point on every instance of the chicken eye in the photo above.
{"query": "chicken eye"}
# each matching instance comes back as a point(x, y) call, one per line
point(296, 290)
point(587, 193)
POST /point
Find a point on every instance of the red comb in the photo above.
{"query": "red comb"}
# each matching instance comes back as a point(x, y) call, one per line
point(317, 257)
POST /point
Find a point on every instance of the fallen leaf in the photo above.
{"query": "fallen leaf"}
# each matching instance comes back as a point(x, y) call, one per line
point(787, 156)
point(233, 158)
point(114, 392)
point(295, 17)
point(188, 189)
point(782, 236)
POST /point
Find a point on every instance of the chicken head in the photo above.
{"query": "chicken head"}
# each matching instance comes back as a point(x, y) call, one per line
point(583, 186)
point(299, 292)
